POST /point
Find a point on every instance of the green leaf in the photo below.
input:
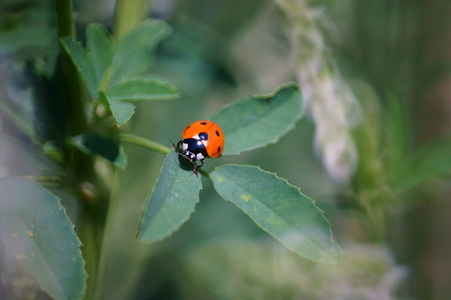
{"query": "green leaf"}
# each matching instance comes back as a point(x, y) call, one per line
point(103, 146)
point(82, 62)
point(257, 121)
point(432, 160)
point(100, 49)
point(172, 201)
point(122, 111)
point(134, 51)
point(36, 229)
point(397, 132)
point(142, 90)
point(280, 209)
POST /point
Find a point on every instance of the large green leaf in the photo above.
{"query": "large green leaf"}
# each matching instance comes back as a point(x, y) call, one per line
point(172, 201)
point(280, 209)
point(36, 229)
point(134, 51)
point(142, 90)
point(256, 121)
point(100, 49)
point(103, 146)
point(82, 62)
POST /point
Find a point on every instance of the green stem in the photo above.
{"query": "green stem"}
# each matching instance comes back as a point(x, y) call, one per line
point(21, 123)
point(128, 13)
point(108, 236)
point(75, 104)
point(80, 165)
point(149, 144)
point(108, 233)
point(143, 142)
point(92, 232)
point(50, 181)
point(64, 19)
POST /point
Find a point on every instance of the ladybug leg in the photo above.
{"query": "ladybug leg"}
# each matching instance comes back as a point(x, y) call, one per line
point(176, 148)
point(197, 167)
point(187, 158)
point(202, 161)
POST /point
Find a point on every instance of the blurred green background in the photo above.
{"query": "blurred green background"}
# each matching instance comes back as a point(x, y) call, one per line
point(390, 215)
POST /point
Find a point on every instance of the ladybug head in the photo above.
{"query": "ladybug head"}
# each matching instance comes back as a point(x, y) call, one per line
point(193, 149)
point(189, 154)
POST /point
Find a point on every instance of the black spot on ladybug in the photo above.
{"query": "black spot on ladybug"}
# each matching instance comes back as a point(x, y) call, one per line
point(217, 133)
point(203, 123)
point(187, 127)
point(219, 149)
point(203, 136)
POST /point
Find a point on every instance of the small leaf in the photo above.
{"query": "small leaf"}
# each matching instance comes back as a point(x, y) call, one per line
point(100, 49)
point(122, 111)
point(51, 149)
point(82, 63)
point(431, 160)
point(36, 229)
point(280, 209)
point(172, 201)
point(257, 121)
point(103, 146)
point(134, 51)
point(142, 90)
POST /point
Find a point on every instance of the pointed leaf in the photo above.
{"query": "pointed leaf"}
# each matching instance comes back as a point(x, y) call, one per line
point(122, 111)
point(100, 49)
point(134, 51)
point(280, 209)
point(172, 201)
point(103, 146)
point(82, 63)
point(142, 90)
point(257, 121)
point(431, 160)
point(35, 227)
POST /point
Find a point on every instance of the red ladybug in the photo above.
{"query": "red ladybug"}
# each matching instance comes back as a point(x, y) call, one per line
point(201, 139)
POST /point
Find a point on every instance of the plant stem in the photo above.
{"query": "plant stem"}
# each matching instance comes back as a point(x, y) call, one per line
point(108, 235)
point(54, 181)
point(75, 106)
point(97, 224)
point(92, 232)
point(89, 188)
point(143, 142)
point(66, 25)
point(128, 13)
point(149, 144)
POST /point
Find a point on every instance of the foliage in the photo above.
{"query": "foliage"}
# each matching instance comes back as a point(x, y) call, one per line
point(36, 229)
point(73, 187)
point(172, 201)
point(279, 208)
point(115, 73)
point(255, 121)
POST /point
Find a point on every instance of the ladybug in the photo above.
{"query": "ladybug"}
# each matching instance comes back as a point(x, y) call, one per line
point(201, 139)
